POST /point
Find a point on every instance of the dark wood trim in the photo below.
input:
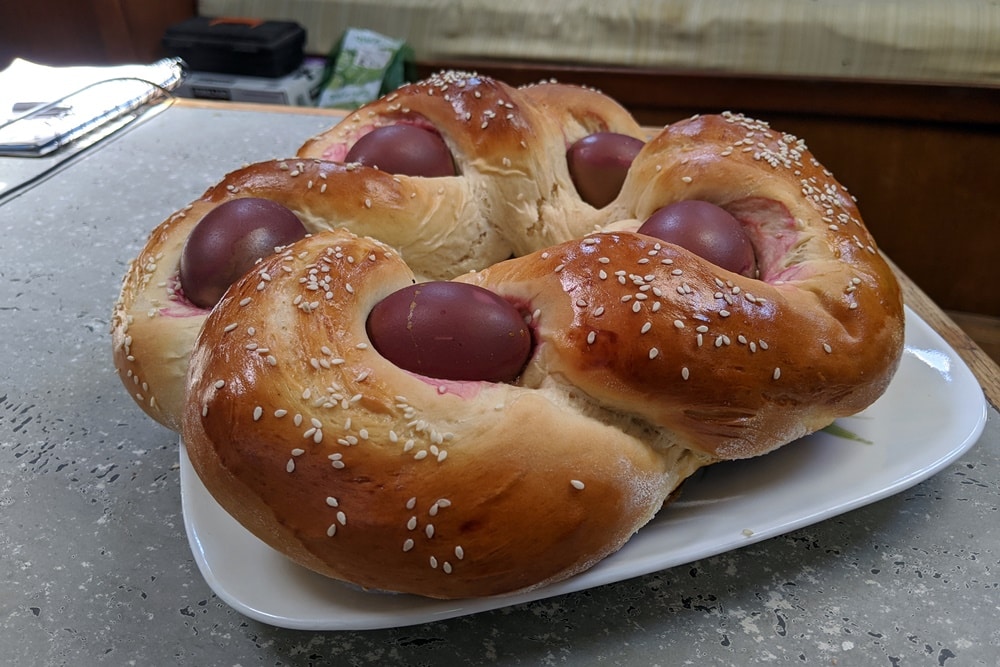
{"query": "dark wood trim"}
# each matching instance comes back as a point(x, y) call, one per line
point(684, 93)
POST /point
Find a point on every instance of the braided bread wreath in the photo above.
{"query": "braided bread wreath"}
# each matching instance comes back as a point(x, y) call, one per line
point(476, 382)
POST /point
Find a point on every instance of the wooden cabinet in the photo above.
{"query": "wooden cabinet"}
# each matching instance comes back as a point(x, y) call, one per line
point(63, 32)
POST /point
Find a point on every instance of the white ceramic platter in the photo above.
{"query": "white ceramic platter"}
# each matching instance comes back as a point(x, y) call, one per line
point(933, 411)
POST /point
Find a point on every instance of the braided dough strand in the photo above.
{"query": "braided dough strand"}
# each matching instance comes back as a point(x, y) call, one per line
point(513, 196)
point(509, 146)
point(647, 361)
point(154, 326)
point(728, 365)
point(368, 473)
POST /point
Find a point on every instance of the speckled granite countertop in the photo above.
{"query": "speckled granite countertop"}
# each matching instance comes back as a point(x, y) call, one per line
point(95, 567)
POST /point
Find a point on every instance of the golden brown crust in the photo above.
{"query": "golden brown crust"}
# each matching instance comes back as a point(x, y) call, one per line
point(651, 329)
point(509, 146)
point(154, 326)
point(513, 196)
point(649, 362)
point(490, 468)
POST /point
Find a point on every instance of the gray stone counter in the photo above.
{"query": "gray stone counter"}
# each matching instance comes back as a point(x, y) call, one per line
point(95, 567)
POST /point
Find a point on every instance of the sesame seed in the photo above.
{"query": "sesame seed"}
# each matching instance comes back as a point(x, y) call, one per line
point(653, 353)
point(331, 501)
point(407, 544)
point(777, 373)
point(332, 530)
point(290, 466)
point(685, 373)
point(577, 484)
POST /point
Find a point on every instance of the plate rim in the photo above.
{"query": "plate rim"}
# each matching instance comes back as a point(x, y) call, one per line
point(190, 487)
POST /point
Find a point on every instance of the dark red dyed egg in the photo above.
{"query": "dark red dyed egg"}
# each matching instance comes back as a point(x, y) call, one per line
point(451, 331)
point(228, 241)
point(404, 149)
point(708, 231)
point(598, 164)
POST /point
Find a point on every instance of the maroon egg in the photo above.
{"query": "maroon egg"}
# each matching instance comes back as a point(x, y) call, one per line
point(598, 164)
point(228, 241)
point(706, 230)
point(404, 149)
point(451, 331)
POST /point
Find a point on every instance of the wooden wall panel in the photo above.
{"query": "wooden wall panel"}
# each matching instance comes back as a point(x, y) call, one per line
point(99, 32)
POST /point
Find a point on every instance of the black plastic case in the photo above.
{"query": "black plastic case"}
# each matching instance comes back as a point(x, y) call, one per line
point(237, 46)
